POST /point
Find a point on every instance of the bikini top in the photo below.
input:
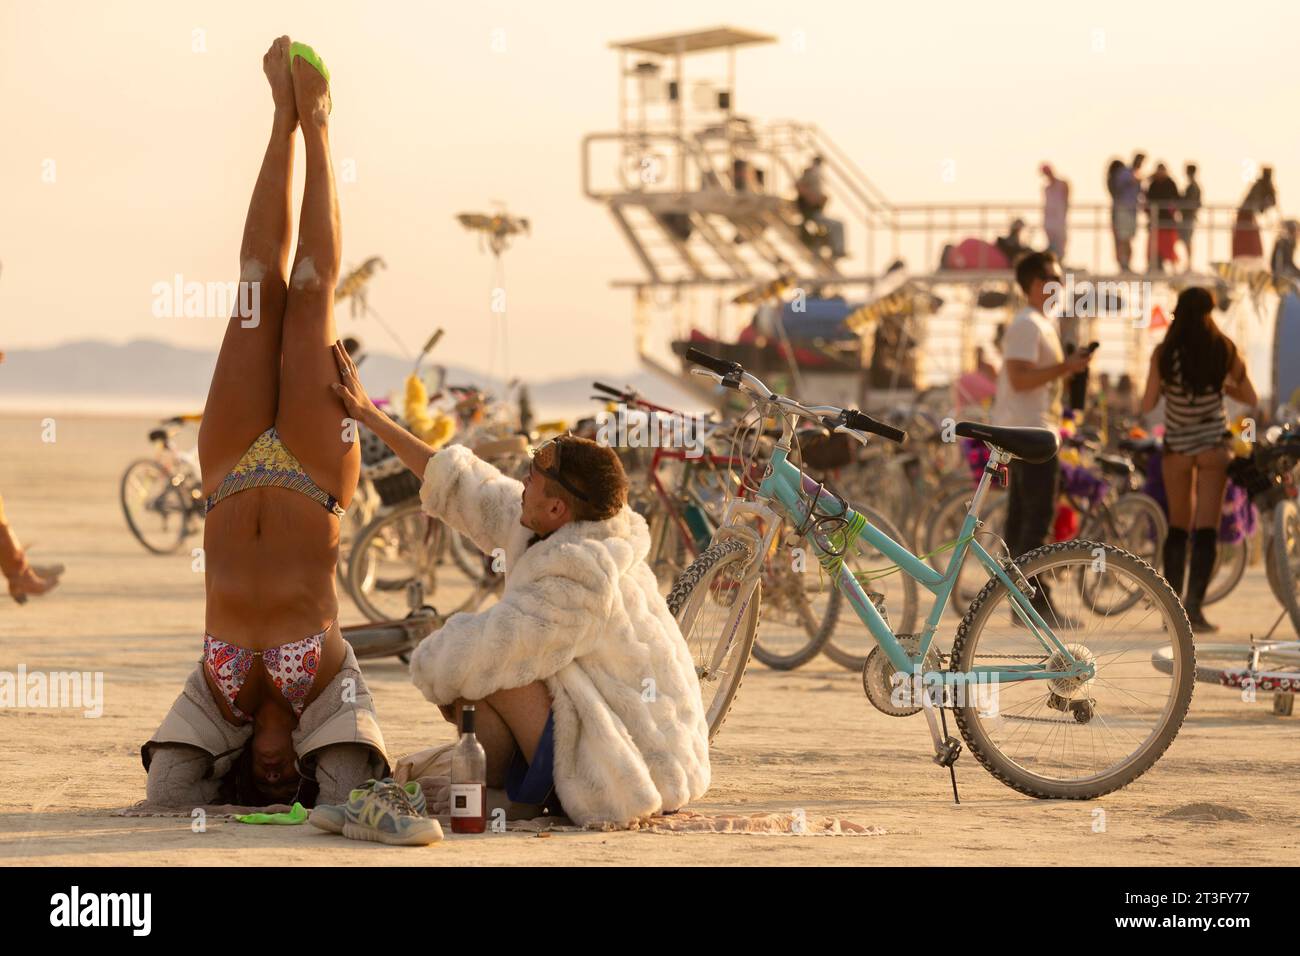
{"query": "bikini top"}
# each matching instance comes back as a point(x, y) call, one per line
point(292, 668)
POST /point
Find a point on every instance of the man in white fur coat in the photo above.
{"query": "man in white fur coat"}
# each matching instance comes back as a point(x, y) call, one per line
point(585, 693)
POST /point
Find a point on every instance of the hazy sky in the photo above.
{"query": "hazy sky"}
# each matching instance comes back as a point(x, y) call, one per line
point(155, 146)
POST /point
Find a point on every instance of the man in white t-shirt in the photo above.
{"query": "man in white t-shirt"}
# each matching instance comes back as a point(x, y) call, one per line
point(1029, 394)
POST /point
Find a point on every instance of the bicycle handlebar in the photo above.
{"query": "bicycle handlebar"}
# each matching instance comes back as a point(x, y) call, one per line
point(721, 366)
point(609, 389)
point(856, 419)
point(733, 375)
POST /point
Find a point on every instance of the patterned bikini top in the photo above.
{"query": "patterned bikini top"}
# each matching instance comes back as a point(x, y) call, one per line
point(268, 463)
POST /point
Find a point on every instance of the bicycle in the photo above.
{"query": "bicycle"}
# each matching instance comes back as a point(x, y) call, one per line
point(1269, 477)
point(1044, 741)
point(162, 496)
point(684, 515)
point(1267, 666)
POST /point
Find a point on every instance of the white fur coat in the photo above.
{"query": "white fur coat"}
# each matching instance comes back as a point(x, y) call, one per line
point(581, 611)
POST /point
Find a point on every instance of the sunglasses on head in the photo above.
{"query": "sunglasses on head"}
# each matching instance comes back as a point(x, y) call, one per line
point(546, 459)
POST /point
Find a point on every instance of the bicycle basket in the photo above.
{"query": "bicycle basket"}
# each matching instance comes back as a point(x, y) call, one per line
point(393, 481)
point(373, 449)
point(1258, 484)
point(823, 452)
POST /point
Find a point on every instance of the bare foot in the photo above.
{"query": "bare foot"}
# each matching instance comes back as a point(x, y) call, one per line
point(312, 94)
point(275, 64)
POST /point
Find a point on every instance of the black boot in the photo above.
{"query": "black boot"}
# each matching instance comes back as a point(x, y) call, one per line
point(1205, 542)
point(1175, 557)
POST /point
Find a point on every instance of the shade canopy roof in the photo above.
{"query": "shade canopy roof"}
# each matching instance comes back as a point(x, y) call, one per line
point(697, 41)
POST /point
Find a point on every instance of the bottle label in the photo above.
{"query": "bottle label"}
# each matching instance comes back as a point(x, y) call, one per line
point(467, 799)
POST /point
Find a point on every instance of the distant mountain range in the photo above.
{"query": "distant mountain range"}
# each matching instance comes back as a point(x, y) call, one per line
point(148, 375)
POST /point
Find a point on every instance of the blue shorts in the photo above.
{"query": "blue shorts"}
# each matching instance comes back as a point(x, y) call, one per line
point(535, 782)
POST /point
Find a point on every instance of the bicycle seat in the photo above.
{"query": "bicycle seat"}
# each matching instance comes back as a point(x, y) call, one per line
point(1034, 445)
point(1115, 464)
point(1138, 445)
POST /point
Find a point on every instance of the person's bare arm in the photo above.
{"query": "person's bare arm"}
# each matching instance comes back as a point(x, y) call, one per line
point(1239, 386)
point(1151, 397)
point(414, 453)
point(1024, 375)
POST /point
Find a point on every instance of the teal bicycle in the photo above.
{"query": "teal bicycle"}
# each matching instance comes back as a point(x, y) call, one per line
point(1053, 694)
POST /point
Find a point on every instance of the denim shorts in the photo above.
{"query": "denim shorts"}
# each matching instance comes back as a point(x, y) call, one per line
point(535, 782)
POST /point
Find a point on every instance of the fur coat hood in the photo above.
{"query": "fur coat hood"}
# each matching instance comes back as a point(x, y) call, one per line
point(581, 611)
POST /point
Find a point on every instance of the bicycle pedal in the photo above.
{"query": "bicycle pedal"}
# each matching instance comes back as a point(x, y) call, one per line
point(946, 753)
point(878, 599)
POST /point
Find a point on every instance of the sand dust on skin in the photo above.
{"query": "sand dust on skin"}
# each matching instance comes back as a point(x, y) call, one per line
point(800, 741)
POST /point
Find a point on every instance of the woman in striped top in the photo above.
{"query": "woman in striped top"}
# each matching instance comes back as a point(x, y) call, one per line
point(1193, 369)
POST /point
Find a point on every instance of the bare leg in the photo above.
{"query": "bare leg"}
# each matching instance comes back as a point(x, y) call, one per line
point(242, 398)
point(310, 417)
point(1211, 486)
point(1177, 470)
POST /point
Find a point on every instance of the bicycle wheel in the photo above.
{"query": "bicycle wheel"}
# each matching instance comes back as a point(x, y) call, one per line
point(1284, 552)
point(1134, 522)
point(716, 602)
point(850, 642)
point(361, 511)
point(668, 555)
point(404, 548)
point(1077, 738)
point(1229, 567)
point(1277, 666)
point(800, 605)
point(393, 553)
point(155, 506)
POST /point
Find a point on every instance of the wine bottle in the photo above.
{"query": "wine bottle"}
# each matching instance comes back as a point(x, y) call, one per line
point(468, 779)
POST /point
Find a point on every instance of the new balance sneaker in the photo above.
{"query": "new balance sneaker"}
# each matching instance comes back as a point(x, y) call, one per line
point(385, 814)
point(330, 817)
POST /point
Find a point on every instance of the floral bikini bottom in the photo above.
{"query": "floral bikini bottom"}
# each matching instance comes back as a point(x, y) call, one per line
point(292, 668)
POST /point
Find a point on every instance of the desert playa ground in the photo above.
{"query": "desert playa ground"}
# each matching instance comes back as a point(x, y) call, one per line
point(1225, 793)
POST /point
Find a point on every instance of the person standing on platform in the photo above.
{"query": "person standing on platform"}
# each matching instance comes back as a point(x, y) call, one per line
point(1056, 210)
point(1163, 201)
point(1191, 206)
